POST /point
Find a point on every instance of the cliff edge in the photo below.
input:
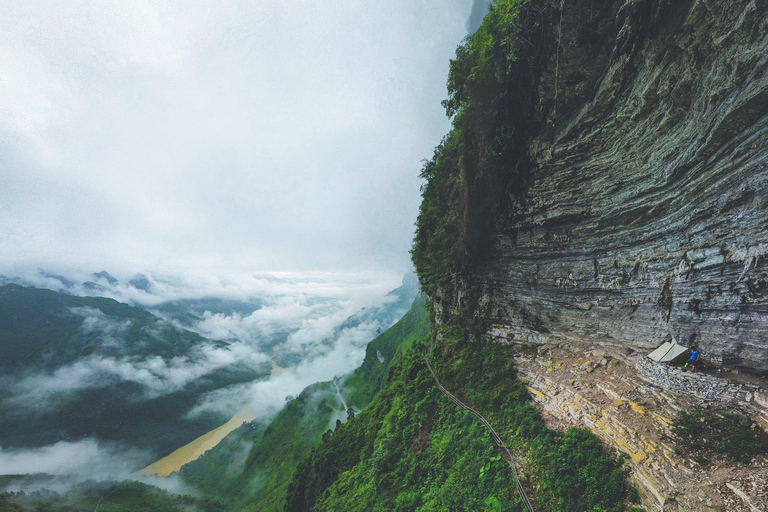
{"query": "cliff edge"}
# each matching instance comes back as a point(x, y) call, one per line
point(615, 199)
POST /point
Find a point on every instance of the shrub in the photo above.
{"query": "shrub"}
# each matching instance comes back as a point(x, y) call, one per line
point(701, 432)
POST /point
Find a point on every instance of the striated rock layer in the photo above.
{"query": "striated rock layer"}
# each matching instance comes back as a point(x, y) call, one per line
point(645, 212)
point(642, 214)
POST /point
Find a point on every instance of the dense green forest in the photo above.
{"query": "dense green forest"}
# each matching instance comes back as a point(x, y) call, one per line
point(412, 449)
point(488, 90)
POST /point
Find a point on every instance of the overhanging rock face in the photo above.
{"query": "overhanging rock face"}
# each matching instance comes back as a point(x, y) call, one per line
point(646, 212)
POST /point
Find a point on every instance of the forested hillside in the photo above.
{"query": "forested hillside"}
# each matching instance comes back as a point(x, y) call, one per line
point(251, 468)
point(80, 367)
point(412, 449)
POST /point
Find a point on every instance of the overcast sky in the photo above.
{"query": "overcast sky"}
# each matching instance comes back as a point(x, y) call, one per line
point(268, 135)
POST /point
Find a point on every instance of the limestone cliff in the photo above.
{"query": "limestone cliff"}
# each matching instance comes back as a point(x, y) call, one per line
point(646, 211)
point(641, 214)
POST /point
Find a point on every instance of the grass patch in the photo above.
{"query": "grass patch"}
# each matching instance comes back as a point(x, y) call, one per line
point(704, 432)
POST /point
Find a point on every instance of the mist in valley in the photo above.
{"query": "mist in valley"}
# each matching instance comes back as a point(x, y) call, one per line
point(204, 210)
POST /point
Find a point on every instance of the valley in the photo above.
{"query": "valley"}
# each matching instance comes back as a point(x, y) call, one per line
point(192, 451)
point(586, 329)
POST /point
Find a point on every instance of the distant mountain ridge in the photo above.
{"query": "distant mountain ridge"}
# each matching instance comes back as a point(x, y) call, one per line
point(93, 367)
point(77, 367)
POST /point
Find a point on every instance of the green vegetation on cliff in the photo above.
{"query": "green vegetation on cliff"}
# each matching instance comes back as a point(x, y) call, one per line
point(486, 87)
point(704, 432)
point(412, 449)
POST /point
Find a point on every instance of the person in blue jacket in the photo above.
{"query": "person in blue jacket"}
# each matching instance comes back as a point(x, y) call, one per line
point(692, 360)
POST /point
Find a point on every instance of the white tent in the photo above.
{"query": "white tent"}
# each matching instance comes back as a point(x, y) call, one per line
point(668, 351)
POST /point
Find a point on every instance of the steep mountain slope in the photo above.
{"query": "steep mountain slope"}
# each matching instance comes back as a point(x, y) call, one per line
point(251, 468)
point(628, 187)
point(600, 193)
point(412, 449)
point(642, 215)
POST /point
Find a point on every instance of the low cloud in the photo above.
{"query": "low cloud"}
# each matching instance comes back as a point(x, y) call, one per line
point(221, 402)
point(322, 362)
point(189, 283)
point(299, 319)
point(85, 459)
point(284, 313)
point(68, 463)
point(157, 375)
point(320, 322)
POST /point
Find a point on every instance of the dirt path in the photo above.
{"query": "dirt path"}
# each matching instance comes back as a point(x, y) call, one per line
point(494, 434)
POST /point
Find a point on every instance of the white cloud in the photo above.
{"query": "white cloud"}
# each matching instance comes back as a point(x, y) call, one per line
point(283, 135)
point(304, 310)
point(321, 362)
point(86, 459)
point(281, 289)
point(68, 463)
point(284, 313)
point(157, 375)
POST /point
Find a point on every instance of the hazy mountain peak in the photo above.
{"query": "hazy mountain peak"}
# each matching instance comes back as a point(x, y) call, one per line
point(106, 276)
point(479, 10)
point(68, 283)
point(141, 282)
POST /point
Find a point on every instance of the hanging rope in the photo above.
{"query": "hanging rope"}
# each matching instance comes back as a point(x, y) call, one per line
point(557, 55)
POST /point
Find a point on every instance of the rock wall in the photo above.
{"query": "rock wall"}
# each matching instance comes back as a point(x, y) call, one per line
point(644, 216)
point(646, 212)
